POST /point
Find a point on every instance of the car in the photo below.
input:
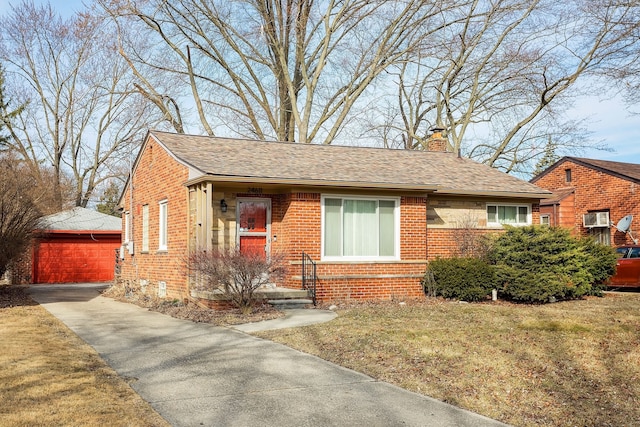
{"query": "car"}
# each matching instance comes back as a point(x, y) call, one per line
point(627, 268)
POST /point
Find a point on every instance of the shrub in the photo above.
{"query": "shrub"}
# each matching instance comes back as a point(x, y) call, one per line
point(237, 274)
point(467, 279)
point(541, 264)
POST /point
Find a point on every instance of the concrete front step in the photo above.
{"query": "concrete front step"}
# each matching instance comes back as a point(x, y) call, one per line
point(289, 304)
point(263, 294)
point(282, 293)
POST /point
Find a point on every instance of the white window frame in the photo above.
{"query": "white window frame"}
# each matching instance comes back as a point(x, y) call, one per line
point(127, 228)
point(163, 225)
point(546, 217)
point(396, 231)
point(145, 228)
point(517, 206)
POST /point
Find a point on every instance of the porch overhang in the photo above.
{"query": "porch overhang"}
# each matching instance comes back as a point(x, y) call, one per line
point(311, 183)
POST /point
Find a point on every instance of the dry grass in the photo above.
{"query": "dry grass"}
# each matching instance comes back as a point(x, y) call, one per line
point(567, 364)
point(48, 376)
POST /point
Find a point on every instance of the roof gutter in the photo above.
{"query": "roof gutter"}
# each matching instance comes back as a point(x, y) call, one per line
point(512, 194)
point(366, 185)
point(311, 182)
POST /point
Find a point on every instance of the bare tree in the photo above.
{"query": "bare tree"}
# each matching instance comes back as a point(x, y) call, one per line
point(499, 81)
point(291, 70)
point(81, 112)
point(19, 216)
point(239, 275)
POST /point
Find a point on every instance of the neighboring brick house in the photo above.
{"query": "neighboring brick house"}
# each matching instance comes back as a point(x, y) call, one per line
point(370, 218)
point(589, 196)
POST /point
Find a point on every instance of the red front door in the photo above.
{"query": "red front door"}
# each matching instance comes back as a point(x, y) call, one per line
point(254, 223)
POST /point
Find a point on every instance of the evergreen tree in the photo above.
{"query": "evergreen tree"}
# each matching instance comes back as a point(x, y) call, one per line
point(109, 200)
point(549, 158)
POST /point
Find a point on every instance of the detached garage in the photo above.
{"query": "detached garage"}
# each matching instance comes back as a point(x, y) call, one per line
point(74, 246)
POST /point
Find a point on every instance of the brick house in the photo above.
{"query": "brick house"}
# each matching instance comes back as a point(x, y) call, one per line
point(370, 218)
point(590, 195)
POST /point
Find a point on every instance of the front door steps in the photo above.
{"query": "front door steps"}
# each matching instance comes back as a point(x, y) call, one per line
point(280, 298)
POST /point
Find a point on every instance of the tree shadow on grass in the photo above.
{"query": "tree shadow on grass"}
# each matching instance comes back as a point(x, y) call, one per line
point(15, 296)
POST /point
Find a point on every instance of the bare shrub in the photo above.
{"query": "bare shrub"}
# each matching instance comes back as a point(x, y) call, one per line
point(18, 215)
point(471, 241)
point(239, 275)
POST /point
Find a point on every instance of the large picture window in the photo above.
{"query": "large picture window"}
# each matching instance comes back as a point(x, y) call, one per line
point(508, 214)
point(360, 228)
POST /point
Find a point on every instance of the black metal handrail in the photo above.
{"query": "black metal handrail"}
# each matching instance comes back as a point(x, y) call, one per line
point(309, 278)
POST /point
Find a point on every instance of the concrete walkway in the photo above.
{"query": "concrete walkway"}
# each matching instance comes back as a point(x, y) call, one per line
point(197, 374)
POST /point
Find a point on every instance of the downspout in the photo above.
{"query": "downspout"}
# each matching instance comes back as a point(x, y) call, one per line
point(426, 226)
point(131, 219)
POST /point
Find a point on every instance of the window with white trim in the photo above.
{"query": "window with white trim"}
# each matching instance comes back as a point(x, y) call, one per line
point(545, 219)
point(359, 228)
point(163, 226)
point(145, 228)
point(508, 214)
point(127, 228)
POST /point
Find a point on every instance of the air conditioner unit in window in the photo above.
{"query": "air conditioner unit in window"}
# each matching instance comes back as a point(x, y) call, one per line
point(596, 219)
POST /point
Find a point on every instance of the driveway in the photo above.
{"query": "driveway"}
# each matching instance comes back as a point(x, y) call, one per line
point(197, 374)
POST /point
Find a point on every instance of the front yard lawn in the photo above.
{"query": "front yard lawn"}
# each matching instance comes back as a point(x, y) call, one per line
point(50, 377)
point(574, 363)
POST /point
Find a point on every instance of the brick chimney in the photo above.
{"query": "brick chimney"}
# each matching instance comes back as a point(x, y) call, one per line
point(436, 141)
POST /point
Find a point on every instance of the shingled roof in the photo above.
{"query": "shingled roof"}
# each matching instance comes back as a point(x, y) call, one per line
point(240, 160)
point(81, 219)
point(557, 196)
point(628, 171)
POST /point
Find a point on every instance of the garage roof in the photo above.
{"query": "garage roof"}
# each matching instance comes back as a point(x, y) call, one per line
point(81, 219)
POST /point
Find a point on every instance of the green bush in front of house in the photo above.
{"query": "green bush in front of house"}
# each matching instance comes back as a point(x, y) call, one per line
point(538, 264)
point(466, 279)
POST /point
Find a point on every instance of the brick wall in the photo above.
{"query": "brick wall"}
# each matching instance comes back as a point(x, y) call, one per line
point(157, 177)
point(301, 231)
point(561, 214)
point(21, 269)
point(595, 191)
point(454, 224)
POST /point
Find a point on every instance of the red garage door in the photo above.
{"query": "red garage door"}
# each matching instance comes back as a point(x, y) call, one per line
point(64, 258)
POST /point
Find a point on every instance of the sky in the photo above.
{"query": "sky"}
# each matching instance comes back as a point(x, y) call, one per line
point(614, 125)
point(608, 119)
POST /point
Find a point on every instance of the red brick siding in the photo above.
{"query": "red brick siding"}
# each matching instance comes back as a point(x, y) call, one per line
point(445, 242)
point(158, 177)
point(562, 214)
point(301, 231)
point(594, 191)
point(21, 270)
